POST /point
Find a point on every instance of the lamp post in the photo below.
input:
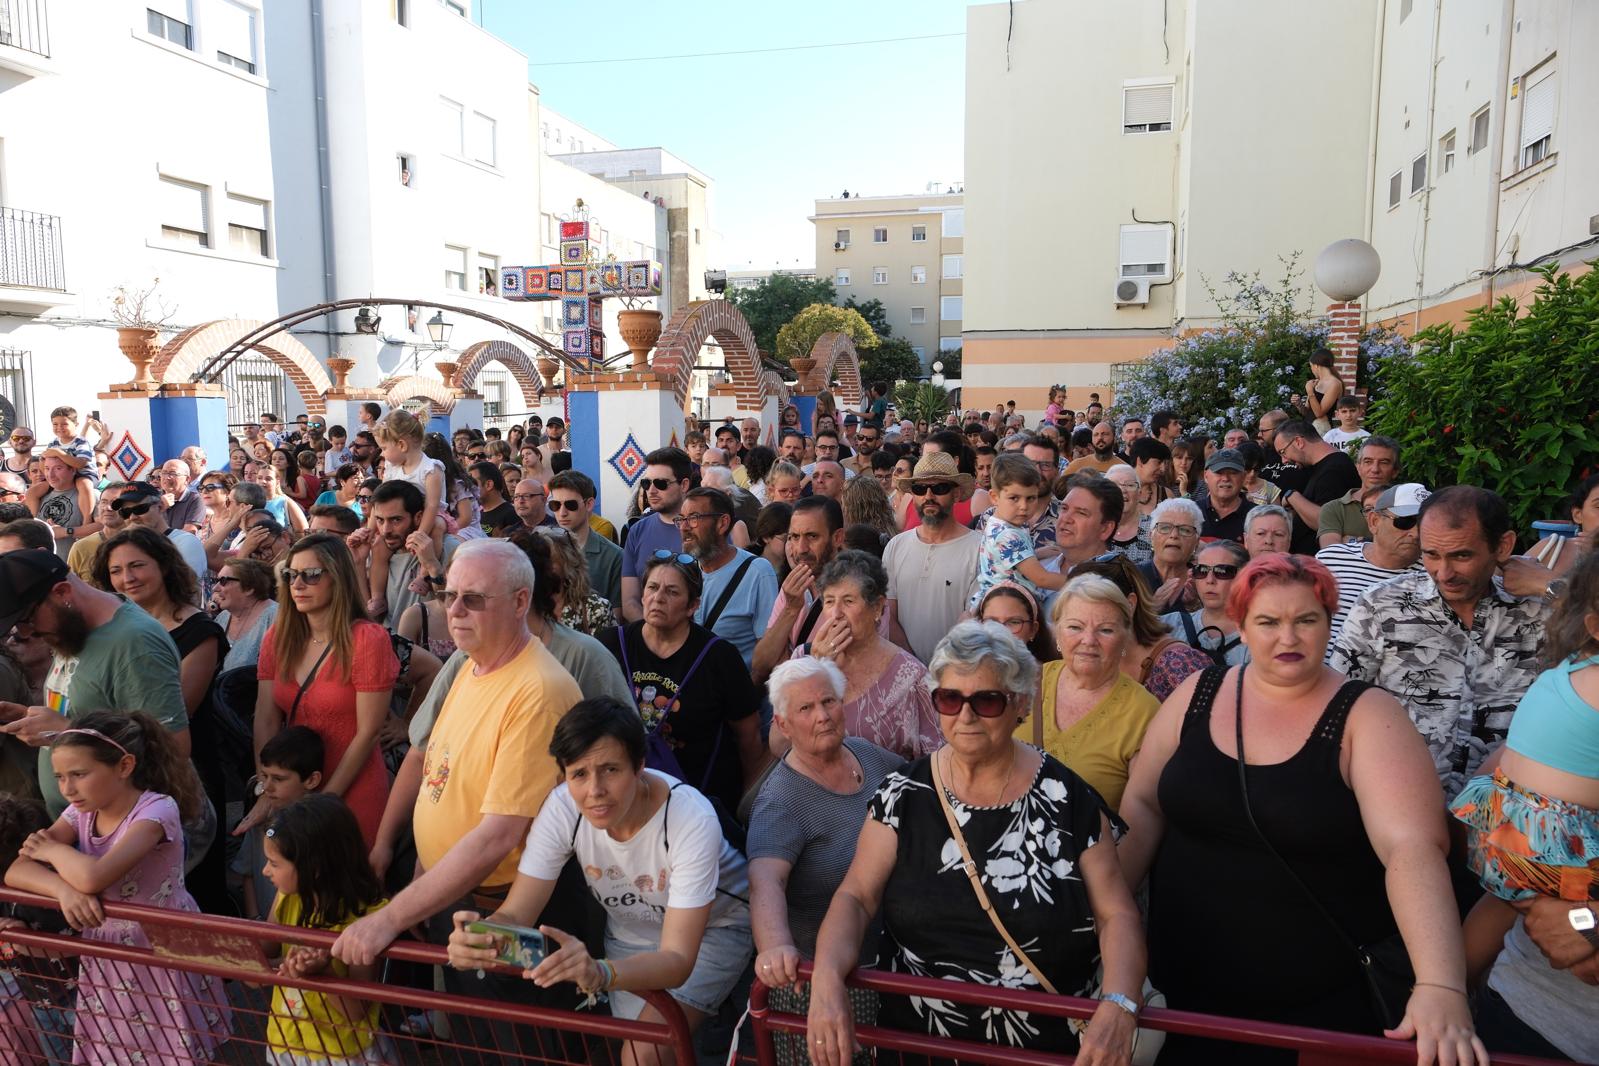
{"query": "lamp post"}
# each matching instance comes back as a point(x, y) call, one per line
point(439, 330)
point(1346, 270)
point(938, 373)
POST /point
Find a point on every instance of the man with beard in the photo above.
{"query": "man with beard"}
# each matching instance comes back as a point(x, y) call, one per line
point(1104, 457)
point(740, 588)
point(109, 656)
point(931, 569)
point(815, 535)
point(396, 513)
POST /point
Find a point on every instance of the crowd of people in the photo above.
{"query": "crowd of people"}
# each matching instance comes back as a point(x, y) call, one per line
point(1092, 706)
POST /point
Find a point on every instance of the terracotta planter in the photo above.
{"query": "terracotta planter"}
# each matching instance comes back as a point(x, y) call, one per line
point(340, 368)
point(141, 344)
point(547, 369)
point(447, 371)
point(641, 329)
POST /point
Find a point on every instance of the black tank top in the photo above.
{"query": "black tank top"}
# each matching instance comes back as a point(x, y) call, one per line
point(1229, 930)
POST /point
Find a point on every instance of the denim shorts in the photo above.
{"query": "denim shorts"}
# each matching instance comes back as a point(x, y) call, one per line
point(724, 952)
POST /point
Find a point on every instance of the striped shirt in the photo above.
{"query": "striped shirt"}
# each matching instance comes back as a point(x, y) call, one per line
point(1355, 575)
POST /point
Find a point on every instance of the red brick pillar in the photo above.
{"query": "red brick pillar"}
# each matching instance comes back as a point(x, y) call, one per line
point(1344, 340)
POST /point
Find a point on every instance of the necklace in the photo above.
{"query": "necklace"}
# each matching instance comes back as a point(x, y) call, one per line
point(1005, 788)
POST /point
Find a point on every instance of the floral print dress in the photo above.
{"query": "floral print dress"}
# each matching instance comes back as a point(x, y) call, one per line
point(1027, 854)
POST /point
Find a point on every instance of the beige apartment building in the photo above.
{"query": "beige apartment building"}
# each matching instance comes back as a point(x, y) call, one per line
point(1121, 158)
point(907, 251)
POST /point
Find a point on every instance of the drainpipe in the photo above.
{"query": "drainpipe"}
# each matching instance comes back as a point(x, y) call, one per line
point(1426, 189)
point(1374, 120)
point(1496, 137)
point(319, 74)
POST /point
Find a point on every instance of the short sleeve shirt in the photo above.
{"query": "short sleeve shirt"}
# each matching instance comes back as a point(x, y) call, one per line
point(1005, 547)
point(743, 620)
point(643, 539)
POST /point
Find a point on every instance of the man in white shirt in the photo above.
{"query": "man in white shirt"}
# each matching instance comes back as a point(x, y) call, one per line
point(931, 569)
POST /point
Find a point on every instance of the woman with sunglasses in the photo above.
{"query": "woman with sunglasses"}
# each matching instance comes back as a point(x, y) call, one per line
point(691, 687)
point(324, 666)
point(246, 608)
point(1210, 628)
point(1044, 851)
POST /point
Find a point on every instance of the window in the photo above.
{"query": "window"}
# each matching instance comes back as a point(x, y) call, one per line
point(1479, 131)
point(407, 168)
point(482, 133)
point(231, 27)
point(454, 267)
point(1418, 173)
point(918, 275)
point(169, 20)
point(919, 352)
point(400, 11)
point(1145, 251)
point(841, 238)
point(1537, 114)
point(488, 274)
point(456, 6)
point(452, 126)
point(247, 225)
point(955, 222)
point(1446, 152)
point(948, 344)
point(880, 275)
point(1396, 188)
point(1147, 108)
point(918, 234)
point(949, 308)
point(1404, 9)
point(184, 217)
point(696, 235)
point(918, 316)
point(880, 235)
point(953, 267)
point(841, 277)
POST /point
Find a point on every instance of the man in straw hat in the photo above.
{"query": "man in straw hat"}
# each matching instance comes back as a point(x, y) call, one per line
point(931, 569)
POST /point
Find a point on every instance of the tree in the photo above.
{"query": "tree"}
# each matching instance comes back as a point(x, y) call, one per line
point(796, 338)
point(775, 301)
point(951, 358)
point(875, 313)
point(892, 360)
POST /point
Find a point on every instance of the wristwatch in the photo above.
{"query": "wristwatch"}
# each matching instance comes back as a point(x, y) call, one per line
point(1583, 921)
point(1128, 1004)
point(1556, 588)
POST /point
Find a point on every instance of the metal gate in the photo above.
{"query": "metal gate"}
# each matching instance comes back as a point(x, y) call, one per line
point(16, 384)
point(254, 384)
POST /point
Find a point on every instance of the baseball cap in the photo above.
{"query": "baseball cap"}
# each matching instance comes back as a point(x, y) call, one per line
point(1226, 459)
point(26, 577)
point(1403, 500)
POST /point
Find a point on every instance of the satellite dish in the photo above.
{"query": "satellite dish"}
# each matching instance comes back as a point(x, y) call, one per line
point(1127, 291)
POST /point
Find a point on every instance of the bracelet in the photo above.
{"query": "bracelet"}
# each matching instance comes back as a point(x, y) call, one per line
point(607, 974)
point(1446, 988)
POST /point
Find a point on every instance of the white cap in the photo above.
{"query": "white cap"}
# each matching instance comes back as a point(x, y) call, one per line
point(1403, 500)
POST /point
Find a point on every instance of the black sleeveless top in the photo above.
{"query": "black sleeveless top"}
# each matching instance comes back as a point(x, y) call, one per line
point(1230, 932)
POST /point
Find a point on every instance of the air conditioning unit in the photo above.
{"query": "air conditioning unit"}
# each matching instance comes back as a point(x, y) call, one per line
point(839, 246)
point(1132, 291)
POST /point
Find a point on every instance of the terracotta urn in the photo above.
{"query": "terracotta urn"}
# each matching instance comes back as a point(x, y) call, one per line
point(141, 344)
point(340, 368)
point(447, 371)
point(641, 328)
point(548, 368)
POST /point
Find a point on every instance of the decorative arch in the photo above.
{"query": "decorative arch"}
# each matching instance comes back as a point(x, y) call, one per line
point(522, 367)
point(834, 352)
point(679, 346)
point(397, 390)
point(184, 354)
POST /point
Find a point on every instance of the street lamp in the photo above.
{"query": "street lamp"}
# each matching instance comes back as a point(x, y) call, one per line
point(367, 320)
point(938, 373)
point(439, 329)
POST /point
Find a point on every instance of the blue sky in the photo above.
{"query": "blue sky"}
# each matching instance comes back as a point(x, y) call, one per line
point(775, 130)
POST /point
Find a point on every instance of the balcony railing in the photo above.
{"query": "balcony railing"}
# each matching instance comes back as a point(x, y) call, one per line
point(30, 248)
point(24, 25)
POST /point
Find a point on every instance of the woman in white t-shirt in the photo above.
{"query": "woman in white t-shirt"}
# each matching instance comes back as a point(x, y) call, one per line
point(674, 891)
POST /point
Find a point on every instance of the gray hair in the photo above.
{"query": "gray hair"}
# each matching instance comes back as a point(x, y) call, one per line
point(973, 644)
point(716, 477)
point(1120, 467)
point(1239, 553)
point(1266, 510)
point(1094, 589)
point(250, 494)
point(858, 566)
point(1378, 441)
point(791, 673)
point(511, 565)
point(1167, 510)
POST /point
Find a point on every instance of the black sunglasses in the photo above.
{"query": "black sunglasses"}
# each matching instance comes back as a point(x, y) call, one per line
point(1224, 571)
point(566, 505)
point(132, 510)
point(660, 484)
point(1404, 521)
point(989, 703)
point(937, 488)
point(311, 575)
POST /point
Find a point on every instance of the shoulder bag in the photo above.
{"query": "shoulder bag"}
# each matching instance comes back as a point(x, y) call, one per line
point(310, 679)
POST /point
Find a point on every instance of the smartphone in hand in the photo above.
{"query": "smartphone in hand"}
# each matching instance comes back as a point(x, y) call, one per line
point(515, 945)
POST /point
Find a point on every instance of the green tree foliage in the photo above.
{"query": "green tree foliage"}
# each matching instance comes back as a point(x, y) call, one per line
point(775, 301)
point(952, 362)
point(875, 313)
point(921, 401)
point(1509, 402)
point(892, 360)
point(796, 337)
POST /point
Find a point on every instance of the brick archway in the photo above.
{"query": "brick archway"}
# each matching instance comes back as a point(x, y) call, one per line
point(398, 390)
point(183, 355)
point(523, 370)
point(679, 347)
point(834, 352)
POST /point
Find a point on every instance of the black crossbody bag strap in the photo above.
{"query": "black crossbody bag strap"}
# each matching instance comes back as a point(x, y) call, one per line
point(310, 679)
point(727, 593)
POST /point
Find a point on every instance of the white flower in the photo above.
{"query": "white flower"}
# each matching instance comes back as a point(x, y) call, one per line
point(1053, 789)
point(1052, 843)
point(1062, 868)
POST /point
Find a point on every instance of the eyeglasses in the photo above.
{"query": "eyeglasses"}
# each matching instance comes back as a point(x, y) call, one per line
point(475, 602)
point(668, 555)
point(937, 488)
point(1166, 529)
point(866, 442)
point(19, 441)
point(685, 519)
point(989, 703)
point(1015, 625)
point(1402, 521)
point(529, 496)
point(213, 487)
point(558, 506)
point(132, 510)
point(659, 484)
point(1223, 571)
point(310, 575)
point(224, 581)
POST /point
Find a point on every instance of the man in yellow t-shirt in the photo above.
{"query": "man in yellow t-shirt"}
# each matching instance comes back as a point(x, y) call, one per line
point(486, 768)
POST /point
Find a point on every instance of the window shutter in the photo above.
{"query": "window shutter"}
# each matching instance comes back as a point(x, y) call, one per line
point(243, 211)
point(231, 29)
point(455, 259)
point(183, 205)
point(172, 9)
point(1142, 246)
point(1144, 105)
point(1538, 111)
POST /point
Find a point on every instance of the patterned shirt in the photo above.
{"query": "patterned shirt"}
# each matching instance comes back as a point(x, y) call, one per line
point(1005, 547)
point(1459, 686)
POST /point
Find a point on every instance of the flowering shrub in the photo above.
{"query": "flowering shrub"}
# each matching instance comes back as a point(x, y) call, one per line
point(1256, 360)
point(1510, 402)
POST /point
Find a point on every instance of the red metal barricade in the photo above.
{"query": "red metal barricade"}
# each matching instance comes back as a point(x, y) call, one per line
point(1316, 1047)
point(43, 977)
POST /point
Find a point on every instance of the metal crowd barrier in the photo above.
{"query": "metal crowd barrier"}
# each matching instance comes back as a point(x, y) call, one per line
point(39, 989)
point(1315, 1047)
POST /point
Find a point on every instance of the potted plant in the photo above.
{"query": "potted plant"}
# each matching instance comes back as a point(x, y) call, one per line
point(139, 315)
point(640, 326)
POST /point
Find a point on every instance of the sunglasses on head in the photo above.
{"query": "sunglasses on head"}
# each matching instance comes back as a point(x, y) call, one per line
point(1403, 521)
point(659, 484)
point(677, 557)
point(310, 575)
point(989, 703)
point(937, 488)
point(132, 510)
point(1224, 571)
